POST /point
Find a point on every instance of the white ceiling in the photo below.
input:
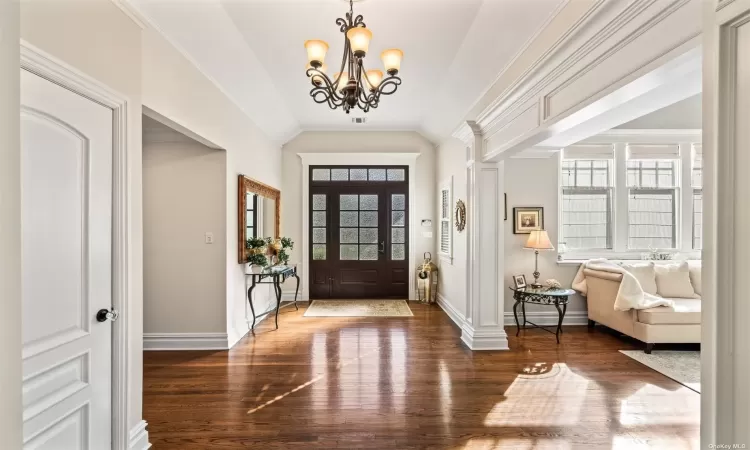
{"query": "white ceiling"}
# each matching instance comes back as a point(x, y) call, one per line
point(685, 114)
point(253, 49)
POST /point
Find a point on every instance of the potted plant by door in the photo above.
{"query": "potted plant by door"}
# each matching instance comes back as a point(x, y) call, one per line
point(257, 262)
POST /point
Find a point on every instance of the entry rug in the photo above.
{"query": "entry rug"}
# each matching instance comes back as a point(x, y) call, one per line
point(358, 308)
point(683, 367)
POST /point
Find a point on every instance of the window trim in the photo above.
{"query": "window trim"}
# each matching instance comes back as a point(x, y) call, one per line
point(619, 217)
point(446, 185)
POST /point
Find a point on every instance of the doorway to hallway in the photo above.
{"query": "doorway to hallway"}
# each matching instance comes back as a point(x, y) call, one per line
point(359, 217)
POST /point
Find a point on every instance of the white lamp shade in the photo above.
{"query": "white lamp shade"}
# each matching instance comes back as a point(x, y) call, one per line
point(539, 240)
point(359, 39)
point(316, 50)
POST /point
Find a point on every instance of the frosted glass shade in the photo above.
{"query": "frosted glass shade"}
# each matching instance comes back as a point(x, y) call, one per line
point(316, 51)
point(359, 39)
point(343, 81)
point(539, 240)
point(317, 79)
point(374, 77)
point(392, 60)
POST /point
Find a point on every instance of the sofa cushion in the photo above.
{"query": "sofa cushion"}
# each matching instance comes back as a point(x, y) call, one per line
point(684, 311)
point(695, 277)
point(673, 281)
point(645, 274)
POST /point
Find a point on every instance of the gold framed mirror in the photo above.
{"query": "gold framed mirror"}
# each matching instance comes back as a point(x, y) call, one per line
point(258, 211)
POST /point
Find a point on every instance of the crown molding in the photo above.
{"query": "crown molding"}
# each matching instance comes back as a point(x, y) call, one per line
point(133, 13)
point(573, 49)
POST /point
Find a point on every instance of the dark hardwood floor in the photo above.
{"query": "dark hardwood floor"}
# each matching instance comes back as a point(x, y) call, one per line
point(408, 383)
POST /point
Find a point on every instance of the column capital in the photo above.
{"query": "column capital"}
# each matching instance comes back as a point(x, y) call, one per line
point(468, 132)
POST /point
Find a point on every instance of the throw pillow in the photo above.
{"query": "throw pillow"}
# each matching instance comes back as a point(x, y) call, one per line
point(673, 281)
point(645, 275)
point(695, 278)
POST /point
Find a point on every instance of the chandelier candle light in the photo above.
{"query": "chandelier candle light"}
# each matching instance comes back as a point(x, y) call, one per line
point(538, 240)
point(352, 86)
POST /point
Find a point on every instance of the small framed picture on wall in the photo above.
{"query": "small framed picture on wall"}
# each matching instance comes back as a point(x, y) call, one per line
point(527, 219)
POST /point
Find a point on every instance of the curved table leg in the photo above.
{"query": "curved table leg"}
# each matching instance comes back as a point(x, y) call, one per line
point(277, 288)
point(250, 300)
point(561, 314)
point(296, 291)
point(565, 308)
point(515, 314)
point(523, 310)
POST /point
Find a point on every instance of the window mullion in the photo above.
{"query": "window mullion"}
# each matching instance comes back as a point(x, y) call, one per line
point(685, 218)
point(620, 200)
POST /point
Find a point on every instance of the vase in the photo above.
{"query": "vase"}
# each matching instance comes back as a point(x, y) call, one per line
point(254, 268)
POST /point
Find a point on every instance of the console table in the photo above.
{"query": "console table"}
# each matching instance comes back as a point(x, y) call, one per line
point(541, 296)
point(274, 275)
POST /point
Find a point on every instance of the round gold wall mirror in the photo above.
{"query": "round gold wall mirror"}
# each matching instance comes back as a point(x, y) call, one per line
point(460, 216)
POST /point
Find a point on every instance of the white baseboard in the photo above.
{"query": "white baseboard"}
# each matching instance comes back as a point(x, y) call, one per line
point(451, 311)
point(138, 437)
point(185, 341)
point(548, 318)
point(289, 297)
point(545, 318)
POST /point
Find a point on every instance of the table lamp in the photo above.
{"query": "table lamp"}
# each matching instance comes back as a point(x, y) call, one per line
point(538, 240)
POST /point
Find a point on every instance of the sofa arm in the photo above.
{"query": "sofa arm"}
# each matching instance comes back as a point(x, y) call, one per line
point(603, 275)
point(602, 293)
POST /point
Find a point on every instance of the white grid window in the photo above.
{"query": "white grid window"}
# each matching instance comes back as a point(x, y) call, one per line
point(622, 197)
point(586, 204)
point(697, 185)
point(652, 201)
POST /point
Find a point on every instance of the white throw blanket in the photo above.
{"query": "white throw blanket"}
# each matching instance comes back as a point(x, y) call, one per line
point(629, 296)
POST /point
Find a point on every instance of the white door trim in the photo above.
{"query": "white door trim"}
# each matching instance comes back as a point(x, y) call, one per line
point(356, 159)
point(724, 357)
point(48, 67)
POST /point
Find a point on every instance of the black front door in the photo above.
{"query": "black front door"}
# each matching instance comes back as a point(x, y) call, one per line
point(358, 228)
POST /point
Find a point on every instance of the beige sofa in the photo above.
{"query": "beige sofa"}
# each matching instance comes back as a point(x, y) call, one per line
point(678, 324)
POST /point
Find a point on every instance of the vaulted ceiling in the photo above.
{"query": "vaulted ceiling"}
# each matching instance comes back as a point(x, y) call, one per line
point(253, 49)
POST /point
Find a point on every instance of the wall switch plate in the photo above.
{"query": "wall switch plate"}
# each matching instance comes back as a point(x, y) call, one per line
point(209, 238)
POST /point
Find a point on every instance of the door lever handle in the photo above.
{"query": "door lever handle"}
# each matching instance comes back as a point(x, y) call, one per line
point(382, 247)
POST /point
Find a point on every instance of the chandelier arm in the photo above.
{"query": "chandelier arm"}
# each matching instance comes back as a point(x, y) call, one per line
point(391, 82)
point(330, 86)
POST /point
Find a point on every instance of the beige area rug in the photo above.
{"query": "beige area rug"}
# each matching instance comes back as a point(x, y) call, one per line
point(682, 366)
point(358, 308)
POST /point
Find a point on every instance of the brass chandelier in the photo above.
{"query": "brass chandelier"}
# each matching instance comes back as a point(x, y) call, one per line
point(352, 86)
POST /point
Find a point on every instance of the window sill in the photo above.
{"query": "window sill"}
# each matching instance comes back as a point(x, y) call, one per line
point(579, 261)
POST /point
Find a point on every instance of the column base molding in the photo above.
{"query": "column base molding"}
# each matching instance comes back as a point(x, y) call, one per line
point(487, 339)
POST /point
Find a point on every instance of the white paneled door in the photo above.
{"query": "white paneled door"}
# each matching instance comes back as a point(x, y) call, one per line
point(66, 171)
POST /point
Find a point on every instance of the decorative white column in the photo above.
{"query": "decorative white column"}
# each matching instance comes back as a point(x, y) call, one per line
point(485, 260)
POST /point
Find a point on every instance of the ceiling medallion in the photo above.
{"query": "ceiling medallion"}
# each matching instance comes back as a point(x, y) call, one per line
point(352, 85)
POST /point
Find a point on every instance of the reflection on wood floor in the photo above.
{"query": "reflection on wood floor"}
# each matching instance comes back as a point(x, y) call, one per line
point(408, 383)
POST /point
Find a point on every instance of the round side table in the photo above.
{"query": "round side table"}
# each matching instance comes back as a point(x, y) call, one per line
point(558, 298)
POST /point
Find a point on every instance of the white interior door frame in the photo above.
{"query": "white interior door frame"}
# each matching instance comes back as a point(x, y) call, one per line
point(50, 68)
point(725, 352)
point(356, 159)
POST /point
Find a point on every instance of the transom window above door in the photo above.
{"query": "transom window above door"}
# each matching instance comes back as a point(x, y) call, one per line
point(354, 174)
